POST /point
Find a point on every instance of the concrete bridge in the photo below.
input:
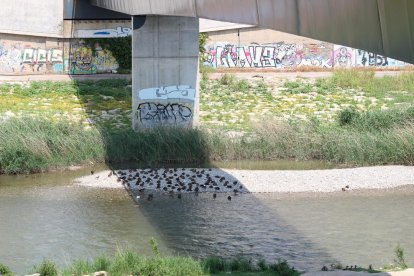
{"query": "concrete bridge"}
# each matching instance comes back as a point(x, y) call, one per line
point(165, 40)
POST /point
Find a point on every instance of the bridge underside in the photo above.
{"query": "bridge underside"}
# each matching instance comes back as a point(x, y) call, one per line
point(165, 59)
point(381, 26)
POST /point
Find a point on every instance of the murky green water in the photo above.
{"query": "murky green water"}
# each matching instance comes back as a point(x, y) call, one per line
point(45, 216)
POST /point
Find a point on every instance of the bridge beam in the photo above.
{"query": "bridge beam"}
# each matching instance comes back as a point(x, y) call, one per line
point(165, 72)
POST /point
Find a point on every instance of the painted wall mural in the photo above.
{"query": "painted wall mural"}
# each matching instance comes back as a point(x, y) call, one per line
point(283, 55)
point(20, 58)
point(17, 57)
point(171, 106)
point(85, 60)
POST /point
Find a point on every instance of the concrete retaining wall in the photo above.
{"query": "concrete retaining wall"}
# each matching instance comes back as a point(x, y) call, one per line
point(21, 55)
point(32, 17)
point(261, 48)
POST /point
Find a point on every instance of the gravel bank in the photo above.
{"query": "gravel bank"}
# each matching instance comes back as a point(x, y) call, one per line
point(226, 180)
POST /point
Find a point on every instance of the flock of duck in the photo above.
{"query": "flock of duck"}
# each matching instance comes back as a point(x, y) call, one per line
point(176, 181)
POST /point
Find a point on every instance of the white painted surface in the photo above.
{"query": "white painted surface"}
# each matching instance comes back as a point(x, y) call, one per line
point(104, 33)
point(170, 92)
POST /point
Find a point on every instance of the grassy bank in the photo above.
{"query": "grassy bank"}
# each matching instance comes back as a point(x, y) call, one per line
point(370, 138)
point(130, 263)
point(351, 118)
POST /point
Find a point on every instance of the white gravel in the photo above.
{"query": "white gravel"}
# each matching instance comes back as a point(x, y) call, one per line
point(276, 181)
point(325, 181)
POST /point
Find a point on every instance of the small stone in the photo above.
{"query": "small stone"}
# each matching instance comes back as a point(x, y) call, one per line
point(100, 273)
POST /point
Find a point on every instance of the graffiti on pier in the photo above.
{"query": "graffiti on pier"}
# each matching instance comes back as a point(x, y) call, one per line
point(168, 92)
point(155, 114)
point(18, 58)
point(169, 105)
point(88, 60)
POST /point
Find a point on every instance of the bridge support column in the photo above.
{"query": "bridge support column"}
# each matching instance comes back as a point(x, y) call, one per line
point(165, 72)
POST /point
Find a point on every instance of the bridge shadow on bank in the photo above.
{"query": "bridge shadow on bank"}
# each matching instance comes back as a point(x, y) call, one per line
point(195, 224)
point(107, 105)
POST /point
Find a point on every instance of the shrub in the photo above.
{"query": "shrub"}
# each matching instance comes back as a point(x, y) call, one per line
point(47, 268)
point(227, 79)
point(400, 258)
point(282, 268)
point(347, 116)
point(5, 270)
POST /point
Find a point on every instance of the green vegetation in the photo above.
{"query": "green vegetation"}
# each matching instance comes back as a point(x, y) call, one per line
point(203, 38)
point(130, 263)
point(399, 262)
point(47, 268)
point(120, 47)
point(216, 265)
point(348, 119)
point(33, 145)
point(5, 270)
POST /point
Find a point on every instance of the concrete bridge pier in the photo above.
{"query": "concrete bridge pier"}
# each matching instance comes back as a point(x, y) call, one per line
point(165, 71)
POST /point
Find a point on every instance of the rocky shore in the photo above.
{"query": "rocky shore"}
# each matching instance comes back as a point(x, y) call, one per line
point(190, 180)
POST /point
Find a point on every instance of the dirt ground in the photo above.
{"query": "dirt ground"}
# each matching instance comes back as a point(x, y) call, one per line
point(215, 75)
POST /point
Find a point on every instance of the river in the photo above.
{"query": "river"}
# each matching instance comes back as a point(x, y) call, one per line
point(46, 216)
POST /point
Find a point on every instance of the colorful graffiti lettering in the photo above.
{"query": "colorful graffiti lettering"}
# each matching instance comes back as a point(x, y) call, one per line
point(277, 55)
point(290, 55)
point(25, 59)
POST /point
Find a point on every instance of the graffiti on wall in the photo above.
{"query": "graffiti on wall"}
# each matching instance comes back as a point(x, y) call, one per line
point(343, 56)
point(364, 58)
point(291, 55)
point(171, 105)
point(277, 55)
point(86, 60)
point(104, 33)
point(17, 58)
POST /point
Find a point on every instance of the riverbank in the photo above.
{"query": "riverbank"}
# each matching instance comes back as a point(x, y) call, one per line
point(242, 181)
point(349, 119)
point(130, 263)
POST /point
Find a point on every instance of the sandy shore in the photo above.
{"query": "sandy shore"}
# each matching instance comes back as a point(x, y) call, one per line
point(276, 181)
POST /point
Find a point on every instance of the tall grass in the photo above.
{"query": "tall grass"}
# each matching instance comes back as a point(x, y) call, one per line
point(131, 263)
point(160, 145)
point(33, 145)
point(371, 138)
point(366, 81)
point(376, 120)
point(351, 145)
